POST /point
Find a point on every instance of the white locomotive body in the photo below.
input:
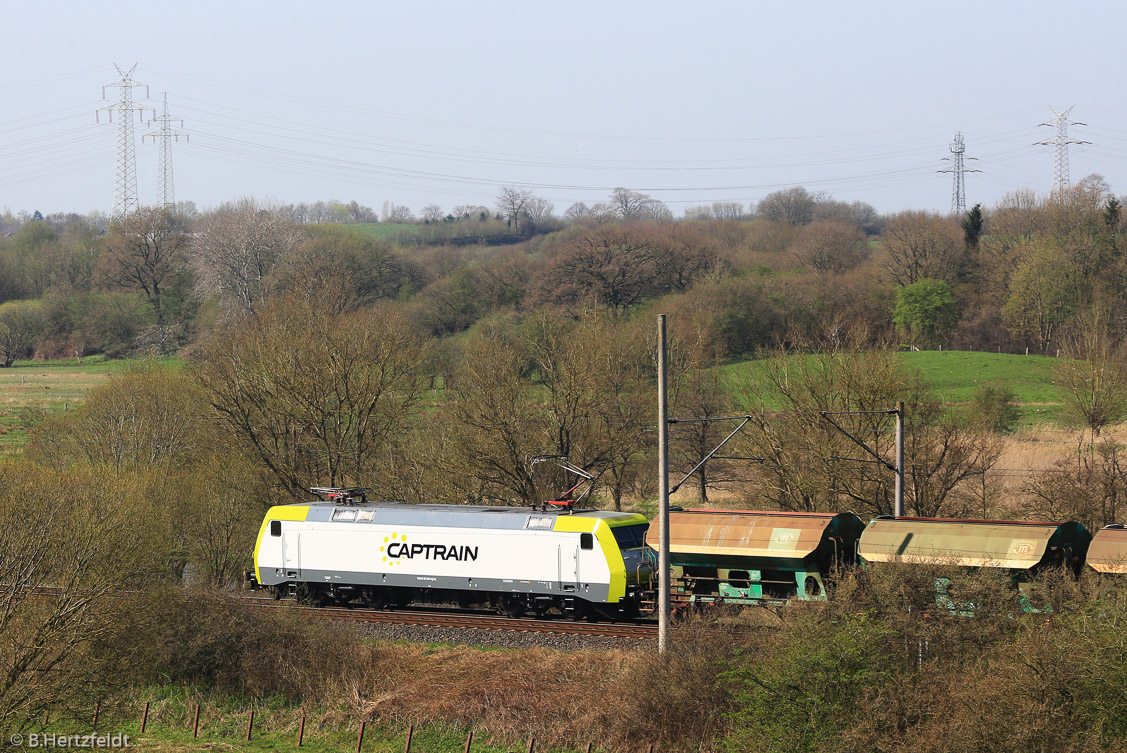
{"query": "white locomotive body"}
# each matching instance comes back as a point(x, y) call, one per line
point(515, 559)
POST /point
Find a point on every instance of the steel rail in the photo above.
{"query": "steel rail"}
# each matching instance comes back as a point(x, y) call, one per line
point(469, 621)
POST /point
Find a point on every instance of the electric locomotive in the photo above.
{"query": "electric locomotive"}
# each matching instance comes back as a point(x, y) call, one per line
point(516, 560)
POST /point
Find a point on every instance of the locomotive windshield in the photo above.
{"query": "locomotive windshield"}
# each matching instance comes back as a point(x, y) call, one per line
point(630, 537)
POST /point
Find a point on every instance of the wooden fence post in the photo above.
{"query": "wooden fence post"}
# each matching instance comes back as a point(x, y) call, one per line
point(301, 729)
point(410, 734)
point(360, 737)
point(250, 724)
point(144, 717)
point(196, 723)
point(97, 709)
point(589, 747)
point(531, 743)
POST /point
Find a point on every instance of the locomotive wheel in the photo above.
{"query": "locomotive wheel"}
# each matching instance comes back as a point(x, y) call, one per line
point(374, 598)
point(512, 606)
point(582, 611)
point(311, 595)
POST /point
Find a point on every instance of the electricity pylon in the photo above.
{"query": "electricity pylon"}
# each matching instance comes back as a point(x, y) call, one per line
point(125, 182)
point(165, 136)
point(958, 168)
point(1061, 141)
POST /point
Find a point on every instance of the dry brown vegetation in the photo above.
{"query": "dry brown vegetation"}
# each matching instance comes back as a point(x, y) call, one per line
point(879, 667)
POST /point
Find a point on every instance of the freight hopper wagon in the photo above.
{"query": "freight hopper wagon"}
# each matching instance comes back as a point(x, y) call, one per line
point(1019, 548)
point(515, 560)
point(744, 557)
point(1108, 552)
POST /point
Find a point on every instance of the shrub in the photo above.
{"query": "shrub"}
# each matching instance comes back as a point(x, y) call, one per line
point(994, 408)
point(219, 642)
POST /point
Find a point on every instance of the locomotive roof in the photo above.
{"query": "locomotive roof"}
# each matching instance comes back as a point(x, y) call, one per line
point(464, 516)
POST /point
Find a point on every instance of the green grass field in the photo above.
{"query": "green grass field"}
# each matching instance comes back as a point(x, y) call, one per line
point(276, 725)
point(954, 377)
point(32, 390)
point(384, 230)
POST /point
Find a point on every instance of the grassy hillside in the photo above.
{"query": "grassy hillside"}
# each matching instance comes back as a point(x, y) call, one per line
point(955, 376)
point(31, 390)
point(384, 230)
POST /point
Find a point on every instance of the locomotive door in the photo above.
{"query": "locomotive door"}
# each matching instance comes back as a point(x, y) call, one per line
point(291, 553)
point(569, 566)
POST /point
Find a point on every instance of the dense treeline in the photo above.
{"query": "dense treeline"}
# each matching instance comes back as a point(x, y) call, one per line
point(1010, 277)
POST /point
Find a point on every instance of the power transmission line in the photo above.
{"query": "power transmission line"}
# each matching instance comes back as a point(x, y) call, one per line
point(125, 180)
point(1061, 140)
point(958, 169)
point(165, 136)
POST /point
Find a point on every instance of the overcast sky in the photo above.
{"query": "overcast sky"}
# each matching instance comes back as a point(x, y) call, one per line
point(443, 102)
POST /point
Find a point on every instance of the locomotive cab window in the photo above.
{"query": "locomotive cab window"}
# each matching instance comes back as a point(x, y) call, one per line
point(586, 541)
point(630, 537)
point(275, 528)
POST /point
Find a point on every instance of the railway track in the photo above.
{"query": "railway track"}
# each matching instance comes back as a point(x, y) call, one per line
point(461, 620)
point(432, 618)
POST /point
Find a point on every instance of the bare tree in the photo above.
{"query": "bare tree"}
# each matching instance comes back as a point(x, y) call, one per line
point(237, 248)
point(150, 417)
point(1044, 290)
point(490, 423)
point(539, 210)
point(794, 206)
point(471, 212)
point(344, 269)
point(319, 395)
point(360, 213)
point(1089, 487)
point(87, 536)
point(632, 205)
point(629, 204)
point(146, 249)
point(620, 266)
point(728, 210)
point(577, 388)
point(829, 246)
point(698, 213)
point(511, 203)
point(922, 245)
point(613, 266)
point(1092, 374)
point(809, 465)
point(20, 323)
point(393, 212)
point(577, 211)
point(432, 213)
